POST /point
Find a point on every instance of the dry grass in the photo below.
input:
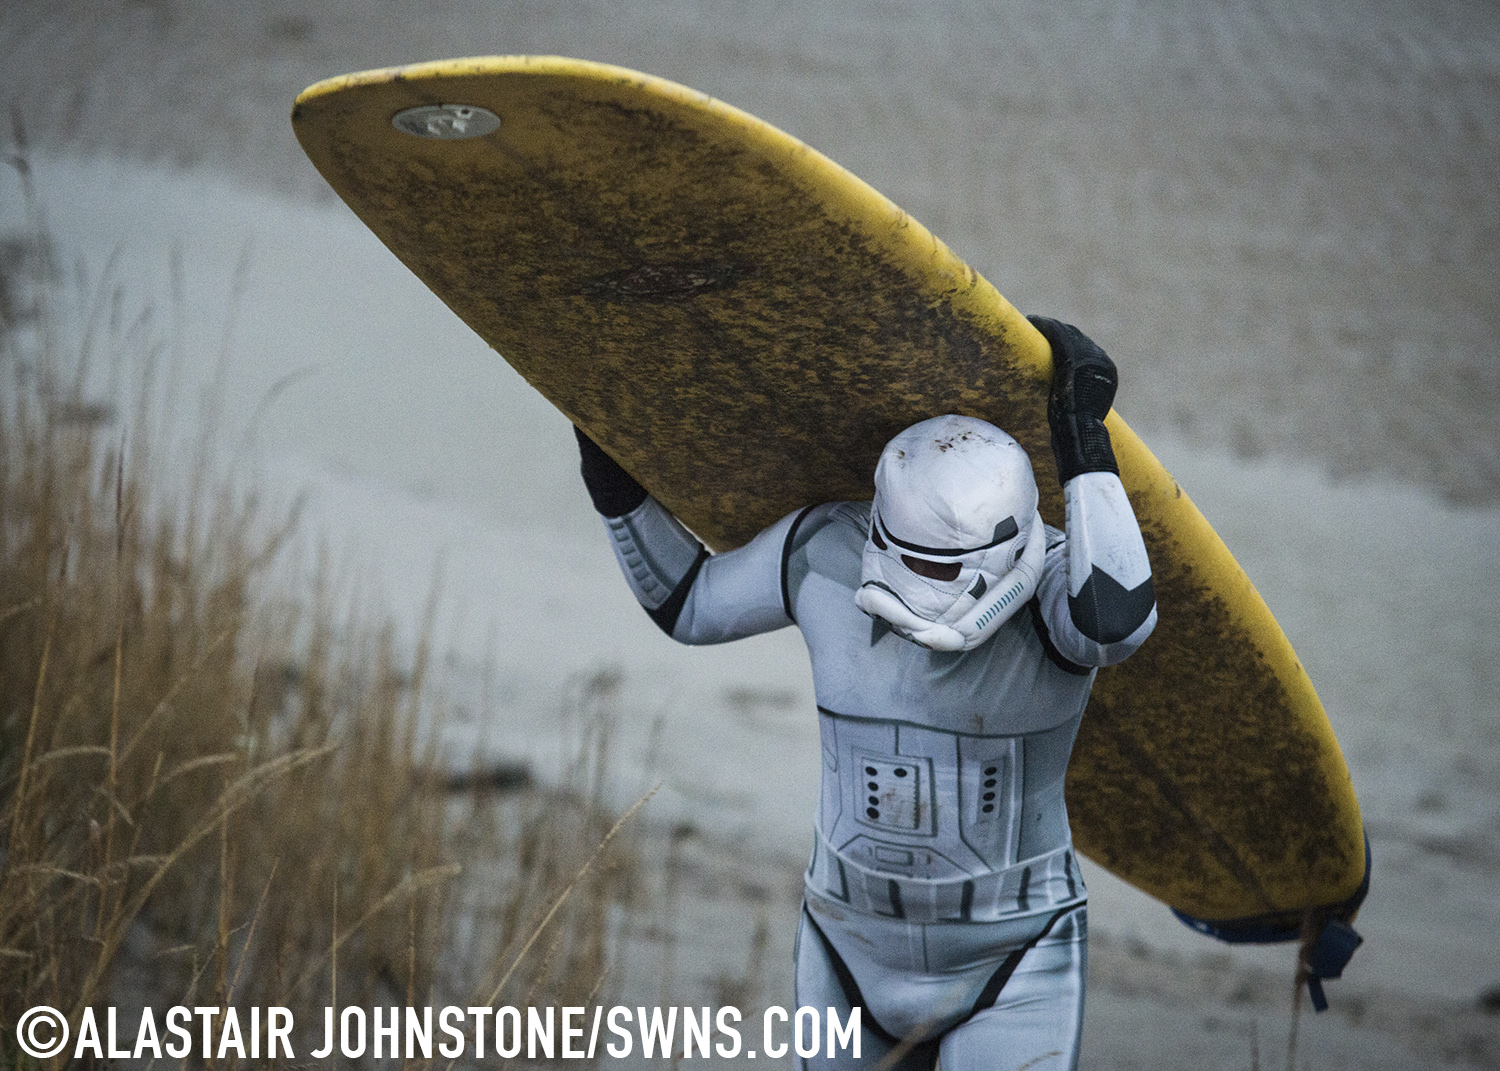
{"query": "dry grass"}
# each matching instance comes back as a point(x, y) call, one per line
point(211, 794)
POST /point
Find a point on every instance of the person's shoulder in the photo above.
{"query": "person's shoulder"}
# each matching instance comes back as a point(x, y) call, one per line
point(837, 516)
point(854, 515)
point(824, 522)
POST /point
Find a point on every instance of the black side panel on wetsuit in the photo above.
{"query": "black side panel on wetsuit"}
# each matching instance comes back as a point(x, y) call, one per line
point(1105, 611)
point(667, 613)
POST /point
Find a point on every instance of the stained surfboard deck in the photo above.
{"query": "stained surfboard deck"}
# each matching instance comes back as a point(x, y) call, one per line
point(743, 324)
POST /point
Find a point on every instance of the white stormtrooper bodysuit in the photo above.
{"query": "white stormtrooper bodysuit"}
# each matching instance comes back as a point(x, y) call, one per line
point(943, 895)
point(954, 640)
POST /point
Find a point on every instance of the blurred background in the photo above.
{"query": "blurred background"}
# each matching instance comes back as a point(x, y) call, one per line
point(1283, 222)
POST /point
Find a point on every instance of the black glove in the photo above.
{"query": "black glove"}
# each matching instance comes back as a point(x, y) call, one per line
point(1083, 388)
point(615, 492)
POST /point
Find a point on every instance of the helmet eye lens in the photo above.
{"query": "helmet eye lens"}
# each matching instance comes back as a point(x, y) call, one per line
point(930, 569)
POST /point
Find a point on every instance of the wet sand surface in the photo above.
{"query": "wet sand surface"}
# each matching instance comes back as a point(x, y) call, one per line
point(1280, 222)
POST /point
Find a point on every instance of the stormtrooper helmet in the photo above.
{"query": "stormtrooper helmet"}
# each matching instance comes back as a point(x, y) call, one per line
point(956, 543)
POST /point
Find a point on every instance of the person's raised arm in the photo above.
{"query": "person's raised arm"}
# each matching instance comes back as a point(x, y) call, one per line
point(1110, 602)
point(692, 595)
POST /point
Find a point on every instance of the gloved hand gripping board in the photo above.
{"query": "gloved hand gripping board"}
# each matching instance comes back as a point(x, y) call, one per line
point(743, 324)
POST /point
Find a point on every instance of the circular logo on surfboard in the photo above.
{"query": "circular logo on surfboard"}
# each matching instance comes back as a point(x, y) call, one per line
point(447, 122)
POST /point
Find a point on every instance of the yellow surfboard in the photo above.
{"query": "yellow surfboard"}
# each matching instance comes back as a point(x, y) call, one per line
point(743, 324)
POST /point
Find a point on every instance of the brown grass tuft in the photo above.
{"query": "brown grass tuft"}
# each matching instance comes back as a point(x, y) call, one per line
point(211, 794)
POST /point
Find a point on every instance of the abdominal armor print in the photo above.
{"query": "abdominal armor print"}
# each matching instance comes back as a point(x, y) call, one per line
point(927, 825)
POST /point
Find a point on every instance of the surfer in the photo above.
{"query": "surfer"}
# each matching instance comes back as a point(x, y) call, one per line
point(954, 640)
